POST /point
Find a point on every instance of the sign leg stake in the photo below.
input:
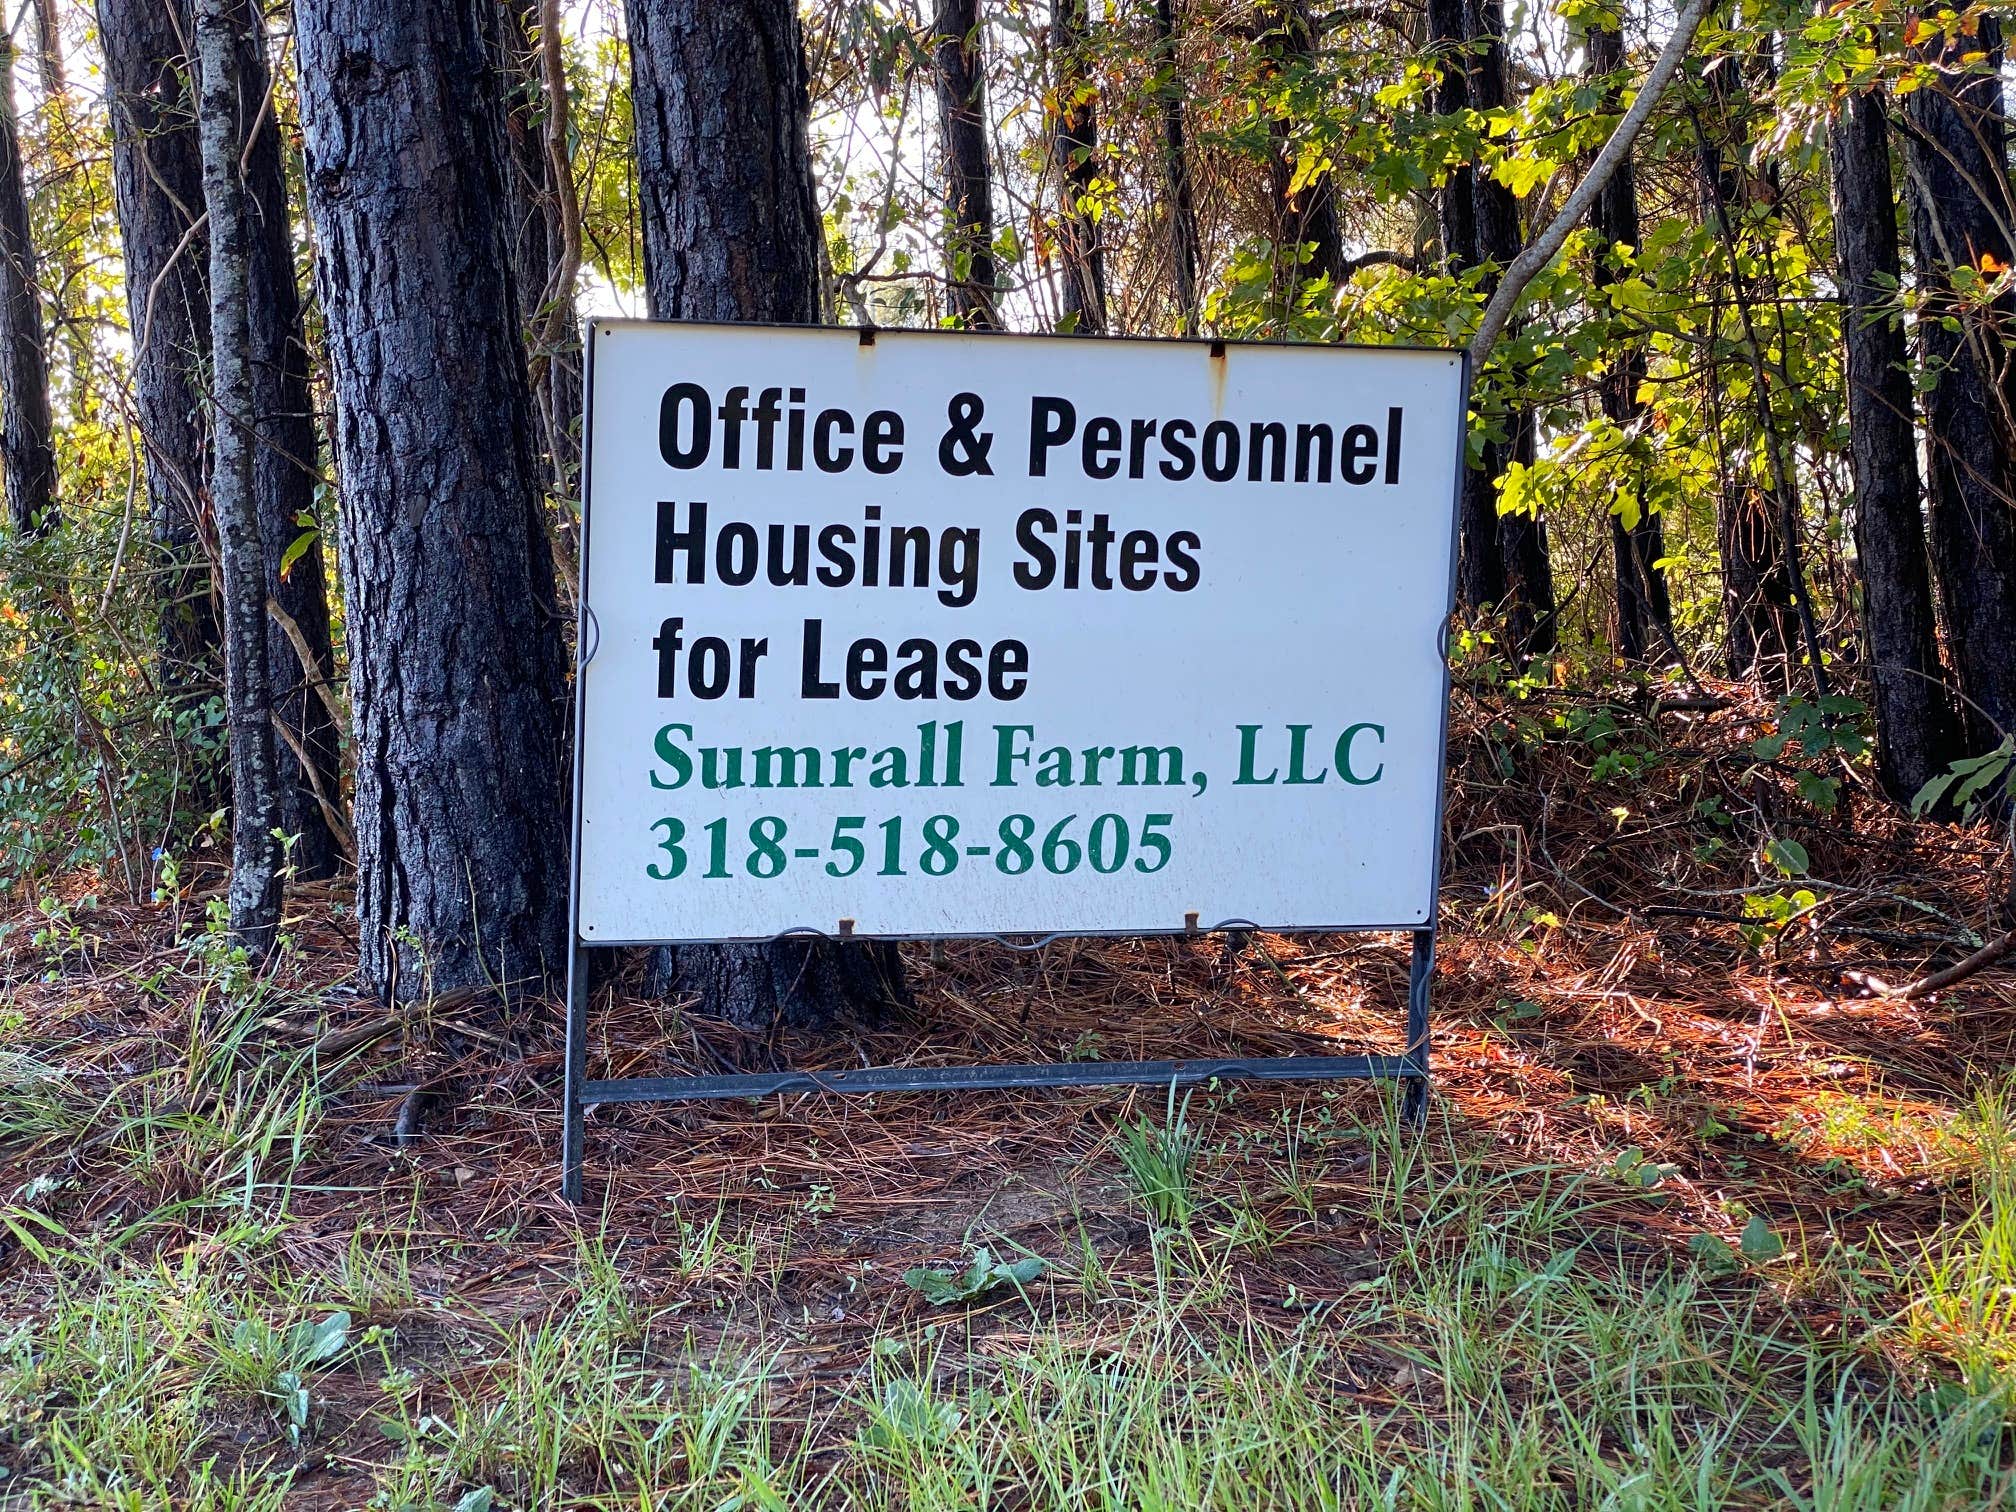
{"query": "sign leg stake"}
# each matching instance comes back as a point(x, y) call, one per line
point(573, 1128)
point(1421, 969)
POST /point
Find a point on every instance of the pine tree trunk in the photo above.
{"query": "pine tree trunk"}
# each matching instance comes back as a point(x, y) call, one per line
point(1916, 733)
point(1074, 150)
point(1961, 209)
point(1180, 201)
point(157, 189)
point(969, 180)
point(456, 681)
point(1527, 598)
point(1644, 623)
point(284, 477)
point(223, 114)
point(27, 460)
point(724, 164)
point(1756, 588)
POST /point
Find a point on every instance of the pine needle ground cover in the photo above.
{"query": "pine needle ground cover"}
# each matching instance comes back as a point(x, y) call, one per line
point(1697, 1220)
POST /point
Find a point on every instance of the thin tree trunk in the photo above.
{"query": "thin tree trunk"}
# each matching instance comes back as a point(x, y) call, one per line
point(157, 189)
point(284, 479)
point(1527, 598)
point(1644, 623)
point(49, 50)
point(542, 256)
point(1961, 207)
point(26, 456)
point(222, 116)
point(1074, 151)
point(1781, 456)
point(456, 681)
point(1308, 243)
point(733, 235)
point(1480, 572)
point(1916, 733)
point(1502, 560)
point(1180, 200)
point(62, 157)
point(969, 180)
point(1758, 586)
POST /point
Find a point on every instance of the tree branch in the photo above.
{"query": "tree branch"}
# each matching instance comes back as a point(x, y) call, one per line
point(1959, 971)
point(1404, 261)
point(1616, 152)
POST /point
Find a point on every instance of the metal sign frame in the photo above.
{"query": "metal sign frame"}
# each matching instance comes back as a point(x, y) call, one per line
point(1408, 1065)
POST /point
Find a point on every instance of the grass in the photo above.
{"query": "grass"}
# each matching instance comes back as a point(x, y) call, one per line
point(1161, 1161)
point(1512, 1343)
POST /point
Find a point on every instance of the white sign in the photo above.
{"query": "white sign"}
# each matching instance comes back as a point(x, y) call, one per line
point(947, 634)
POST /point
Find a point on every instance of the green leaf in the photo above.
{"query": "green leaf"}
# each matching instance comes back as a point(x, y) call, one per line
point(1759, 1243)
point(1927, 797)
point(296, 549)
point(908, 1417)
point(1974, 775)
point(942, 1288)
point(1789, 856)
point(313, 1343)
point(1712, 1251)
point(1822, 792)
point(12, 1218)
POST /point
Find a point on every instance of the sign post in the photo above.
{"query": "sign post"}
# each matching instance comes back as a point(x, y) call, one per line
point(921, 635)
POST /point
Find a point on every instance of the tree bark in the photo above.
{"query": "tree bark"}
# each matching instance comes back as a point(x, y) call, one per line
point(1180, 203)
point(456, 679)
point(1961, 207)
point(223, 115)
point(725, 166)
point(969, 180)
point(1916, 733)
point(284, 479)
point(1644, 617)
point(27, 459)
point(1527, 597)
point(1074, 150)
point(157, 190)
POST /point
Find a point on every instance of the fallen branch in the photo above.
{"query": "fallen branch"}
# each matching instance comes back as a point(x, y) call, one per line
point(1939, 981)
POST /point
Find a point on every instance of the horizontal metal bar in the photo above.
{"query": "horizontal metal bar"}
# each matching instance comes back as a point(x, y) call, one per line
point(974, 1078)
point(812, 932)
